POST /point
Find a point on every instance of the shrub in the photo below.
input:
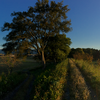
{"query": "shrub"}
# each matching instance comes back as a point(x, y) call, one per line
point(88, 57)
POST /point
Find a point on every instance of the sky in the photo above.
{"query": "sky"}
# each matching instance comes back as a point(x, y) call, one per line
point(84, 15)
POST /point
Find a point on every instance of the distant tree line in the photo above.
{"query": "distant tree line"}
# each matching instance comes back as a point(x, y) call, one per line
point(83, 53)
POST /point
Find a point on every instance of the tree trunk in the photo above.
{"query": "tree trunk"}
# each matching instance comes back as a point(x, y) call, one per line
point(43, 59)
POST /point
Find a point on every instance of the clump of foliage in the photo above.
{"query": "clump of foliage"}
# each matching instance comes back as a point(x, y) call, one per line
point(84, 56)
point(50, 83)
point(57, 48)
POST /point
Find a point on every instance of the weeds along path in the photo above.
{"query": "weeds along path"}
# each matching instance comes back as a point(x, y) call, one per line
point(78, 87)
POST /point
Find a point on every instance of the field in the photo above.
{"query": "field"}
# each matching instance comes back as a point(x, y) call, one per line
point(26, 64)
point(67, 80)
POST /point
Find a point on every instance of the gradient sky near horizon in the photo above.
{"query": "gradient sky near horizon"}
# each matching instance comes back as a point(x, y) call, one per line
point(84, 15)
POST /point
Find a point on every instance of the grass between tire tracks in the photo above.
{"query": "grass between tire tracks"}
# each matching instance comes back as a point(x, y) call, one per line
point(78, 87)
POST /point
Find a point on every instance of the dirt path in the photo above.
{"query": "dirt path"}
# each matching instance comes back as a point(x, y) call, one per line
point(67, 95)
point(27, 97)
point(92, 92)
point(67, 91)
point(15, 95)
point(11, 94)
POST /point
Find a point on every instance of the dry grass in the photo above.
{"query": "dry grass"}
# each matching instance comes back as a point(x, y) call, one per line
point(92, 74)
point(78, 87)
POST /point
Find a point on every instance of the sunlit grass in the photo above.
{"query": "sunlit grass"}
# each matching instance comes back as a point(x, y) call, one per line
point(78, 87)
point(92, 73)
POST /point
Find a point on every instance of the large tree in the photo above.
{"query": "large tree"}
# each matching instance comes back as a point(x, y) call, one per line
point(32, 28)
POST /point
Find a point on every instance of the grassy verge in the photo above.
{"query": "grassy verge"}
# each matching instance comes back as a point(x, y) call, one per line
point(92, 73)
point(49, 84)
point(78, 88)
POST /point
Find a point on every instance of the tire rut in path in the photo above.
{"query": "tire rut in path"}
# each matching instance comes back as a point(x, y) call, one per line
point(27, 97)
point(67, 91)
point(11, 94)
point(66, 94)
point(24, 92)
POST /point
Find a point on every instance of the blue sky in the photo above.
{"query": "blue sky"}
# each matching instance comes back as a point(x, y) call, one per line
point(84, 15)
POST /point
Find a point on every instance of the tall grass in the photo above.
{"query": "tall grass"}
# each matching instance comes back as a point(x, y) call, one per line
point(92, 73)
point(49, 85)
point(78, 87)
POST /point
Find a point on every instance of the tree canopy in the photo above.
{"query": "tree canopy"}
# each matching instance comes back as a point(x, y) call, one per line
point(33, 28)
point(57, 48)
